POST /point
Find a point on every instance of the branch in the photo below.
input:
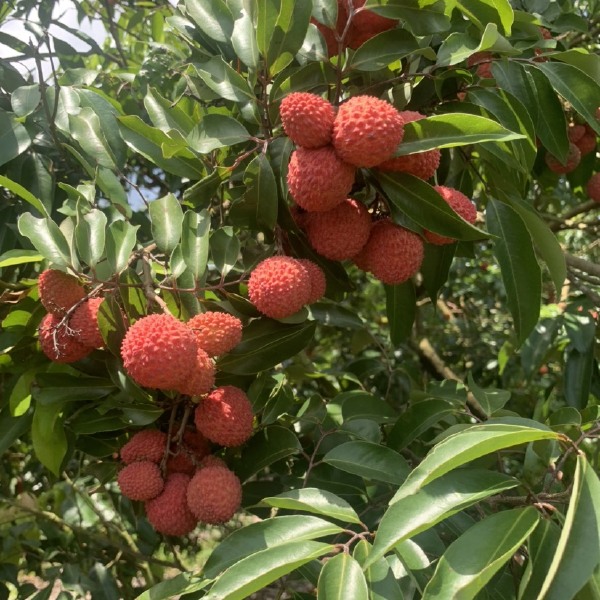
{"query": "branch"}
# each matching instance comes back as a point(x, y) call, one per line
point(582, 265)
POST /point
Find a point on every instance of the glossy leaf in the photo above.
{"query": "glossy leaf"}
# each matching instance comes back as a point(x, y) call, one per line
point(184, 583)
point(383, 49)
point(11, 258)
point(422, 18)
point(401, 309)
point(25, 99)
point(165, 115)
point(86, 129)
point(48, 435)
point(14, 138)
point(342, 578)
point(216, 131)
point(167, 218)
point(90, 235)
point(213, 18)
point(482, 12)
point(380, 578)
point(224, 80)
point(243, 37)
point(47, 239)
point(112, 324)
point(24, 194)
point(579, 368)
point(194, 241)
point(120, 242)
point(225, 249)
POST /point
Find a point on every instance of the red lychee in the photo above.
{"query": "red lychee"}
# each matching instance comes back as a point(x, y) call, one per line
point(576, 132)
point(168, 513)
point(225, 416)
point(201, 378)
point(57, 343)
point(483, 62)
point(573, 158)
point(365, 25)
point(214, 495)
point(545, 33)
point(140, 480)
point(318, 283)
point(593, 187)
point(341, 232)
point(147, 445)
point(181, 462)
point(216, 332)
point(460, 204)
point(159, 351)
point(199, 445)
point(367, 131)
point(587, 142)
point(318, 179)
point(84, 322)
point(307, 119)
point(393, 254)
point(279, 286)
point(59, 291)
point(212, 461)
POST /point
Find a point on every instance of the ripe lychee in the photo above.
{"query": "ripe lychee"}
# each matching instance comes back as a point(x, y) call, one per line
point(365, 25)
point(212, 461)
point(593, 187)
point(201, 378)
point(57, 343)
point(199, 445)
point(318, 179)
point(587, 142)
point(214, 495)
point(367, 131)
point(545, 33)
point(181, 461)
point(318, 283)
point(147, 445)
point(279, 286)
point(460, 204)
point(84, 322)
point(307, 119)
point(168, 513)
point(225, 416)
point(576, 132)
point(159, 351)
point(140, 480)
point(59, 291)
point(216, 332)
point(393, 254)
point(573, 158)
point(341, 232)
point(483, 62)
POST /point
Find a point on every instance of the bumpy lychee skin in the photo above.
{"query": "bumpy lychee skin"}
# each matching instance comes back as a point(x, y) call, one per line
point(140, 480)
point(201, 378)
point(341, 232)
point(199, 445)
point(587, 142)
point(279, 286)
point(573, 159)
point(181, 462)
point(307, 119)
point(57, 344)
point(84, 322)
point(460, 204)
point(367, 131)
point(225, 416)
point(593, 187)
point(318, 283)
point(146, 445)
point(482, 59)
point(393, 254)
point(212, 461)
point(59, 291)
point(214, 495)
point(216, 332)
point(159, 351)
point(168, 513)
point(365, 25)
point(318, 179)
point(576, 132)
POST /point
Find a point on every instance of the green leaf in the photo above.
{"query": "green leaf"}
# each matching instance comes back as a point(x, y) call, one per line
point(383, 49)
point(243, 37)
point(24, 194)
point(167, 218)
point(401, 309)
point(121, 238)
point(225, 249)
point(165, 115)
point(25, 99)
point(422, 18)
point(450, 130)
point(471, 560)
point(579, 369)
point(111, 324)
point(266, 343)
point(48, 435)
point(436, 267)
point(325, 12)
point(380, 578)
point(465, 446)
point(47, 238)
point(194, 241)
point(213, 18)
point(11, 258)
point(334, 315)
point(86, 129)
point(520, 270)
point(132, 295)
point(90, 233)
point(435, 502)
point(342, 578)
point(14, 138)
point(483, 12)
point(59, 388)
point(313, 500)
point(224, 80)
point(269, 533)
point(263, 567)
point(184, 583)
point(369, 460)
point(216, 131)
point(12, 428)
point(490, 399)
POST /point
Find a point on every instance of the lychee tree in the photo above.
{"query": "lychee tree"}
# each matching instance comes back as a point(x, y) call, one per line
point(316, 278)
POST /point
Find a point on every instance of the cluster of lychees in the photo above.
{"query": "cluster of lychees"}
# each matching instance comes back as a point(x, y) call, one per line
point(365, 132)
point(582, 141)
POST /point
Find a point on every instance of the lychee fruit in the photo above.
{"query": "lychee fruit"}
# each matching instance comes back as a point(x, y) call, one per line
point(159, 351)
point(587, 142)
point(216, 332)
point(573, 158)
point(59, 291)
point(545, 33)
point(84, 322)
point(367, 131)
point(279, 286)
point(341, 232)
point(365, 25)
point(318, 283)
point(57, 343)
point(307, 119)
point(483, 62)
point(201, 378)
point(145, 445)
point(214, 495)
point(225, 416)
point(212, 461)
point(393, 254)
point(460, 204)
point(593, 187)
point(196, 442)
point(140, 480)
point(168, 513)
point(318, 179)
point(576, 132)
point(181, 462)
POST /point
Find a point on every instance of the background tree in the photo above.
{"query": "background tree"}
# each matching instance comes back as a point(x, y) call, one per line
point(435, 438)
